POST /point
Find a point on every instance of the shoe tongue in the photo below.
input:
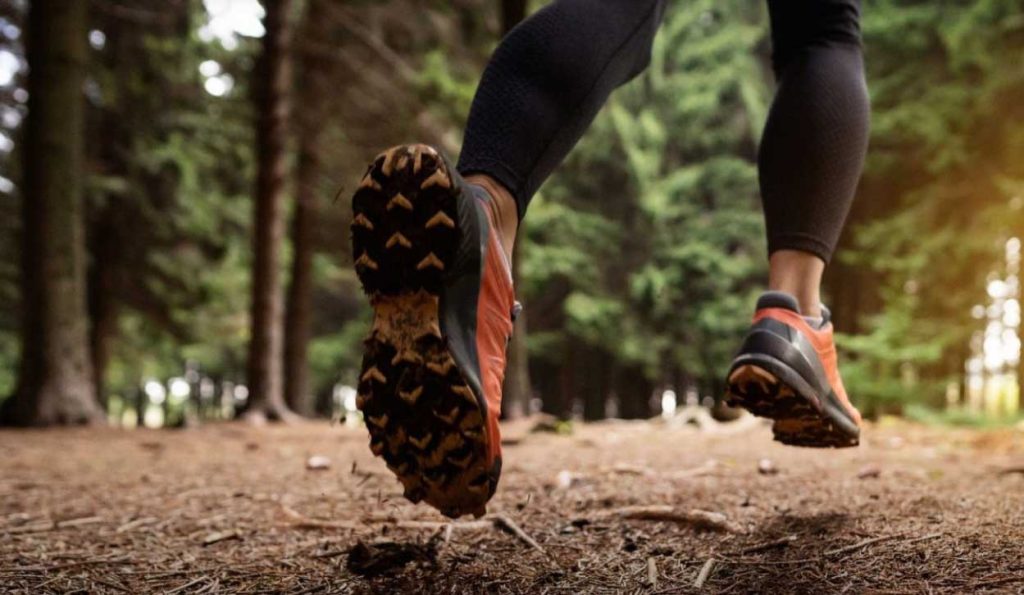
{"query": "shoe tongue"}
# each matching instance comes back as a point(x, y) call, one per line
point(778, 299)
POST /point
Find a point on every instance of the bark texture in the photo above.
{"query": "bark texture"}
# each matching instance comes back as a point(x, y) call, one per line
point(56, 381)
point(299, 314)
point(272, 81)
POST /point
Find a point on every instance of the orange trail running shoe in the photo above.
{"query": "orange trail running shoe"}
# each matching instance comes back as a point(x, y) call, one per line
point(786, 370)
point(440, 286)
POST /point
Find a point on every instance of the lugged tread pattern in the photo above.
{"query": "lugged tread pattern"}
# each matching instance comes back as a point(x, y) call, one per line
point(423, 417)
point(404, 231)
point(798, 420)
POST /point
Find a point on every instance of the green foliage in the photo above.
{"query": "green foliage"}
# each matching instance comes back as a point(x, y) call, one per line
point(938, 199)
point(171, 192)
point(649, 238)
point(12, 112)
point(958, 417)
point(645, 250)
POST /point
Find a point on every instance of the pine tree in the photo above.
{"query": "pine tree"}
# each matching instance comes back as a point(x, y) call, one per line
point(56, 383)
point(313, 86)
point(273, 81)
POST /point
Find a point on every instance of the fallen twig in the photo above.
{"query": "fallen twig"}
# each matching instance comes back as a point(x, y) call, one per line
point(33, 527)
point(769, 545)
point(923, 538)
point(704, 574)
point(136, 524)
point(503, 521)
point(87, 520)
point(652, 572)
point(191, 583)
point(300, 521)
point(843, 550)
point(627, 469)
point(220, 536)
point(699, 471)
point(698, 519)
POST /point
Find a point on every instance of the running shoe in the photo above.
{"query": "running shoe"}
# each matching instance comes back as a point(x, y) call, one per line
point(429, 259)
point(786, 370)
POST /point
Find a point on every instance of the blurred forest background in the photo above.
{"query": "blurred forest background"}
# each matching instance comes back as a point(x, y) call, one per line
point(175, 175)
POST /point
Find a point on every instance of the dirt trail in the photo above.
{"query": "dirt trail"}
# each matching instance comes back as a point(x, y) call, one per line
point(230, 509)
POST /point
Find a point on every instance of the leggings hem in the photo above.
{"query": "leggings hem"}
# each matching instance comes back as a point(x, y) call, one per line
point(501, 173)
point(801, 242)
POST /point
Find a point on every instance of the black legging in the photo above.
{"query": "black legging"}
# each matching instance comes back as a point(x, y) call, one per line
point(552, 73)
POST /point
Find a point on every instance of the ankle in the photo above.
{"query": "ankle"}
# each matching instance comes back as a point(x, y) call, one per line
point(799, 274)
point(504, 211)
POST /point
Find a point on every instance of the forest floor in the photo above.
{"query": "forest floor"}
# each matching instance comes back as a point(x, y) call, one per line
point(614, 507)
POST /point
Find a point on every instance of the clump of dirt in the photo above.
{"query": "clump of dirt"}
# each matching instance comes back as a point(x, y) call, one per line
point(388, 557)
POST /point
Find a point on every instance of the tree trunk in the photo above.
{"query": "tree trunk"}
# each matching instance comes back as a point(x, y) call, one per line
point(564, 390)
point(299, 314)
point(55, 385)
point(595, 384)
point(634, 390)
point(103, 305)
point(272, 81)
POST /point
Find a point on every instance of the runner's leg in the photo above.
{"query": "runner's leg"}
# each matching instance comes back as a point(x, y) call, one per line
point(544, 85)
point(815, 139)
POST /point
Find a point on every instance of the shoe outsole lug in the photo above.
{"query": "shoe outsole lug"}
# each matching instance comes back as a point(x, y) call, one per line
point(449, 417)
point(399, 200)
point(430, 261)
point(440, 219)
point(437, 178)
point(397, 239)
point(422, 442)
point(441, 369)
point(411, 396)
point(798, 421)
point(362, 221)
point(404, 229)
point(369, 182)
point(372, 373)
point(365, 261)
point(407, 356)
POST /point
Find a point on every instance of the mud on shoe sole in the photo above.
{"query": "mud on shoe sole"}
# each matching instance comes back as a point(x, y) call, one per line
point(423, 417)
point(799, 420)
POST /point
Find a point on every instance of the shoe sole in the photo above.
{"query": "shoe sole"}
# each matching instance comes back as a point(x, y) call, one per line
point(423, 417)
point(800, 418)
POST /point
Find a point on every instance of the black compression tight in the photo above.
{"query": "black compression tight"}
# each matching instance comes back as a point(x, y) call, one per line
point(551, 75)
